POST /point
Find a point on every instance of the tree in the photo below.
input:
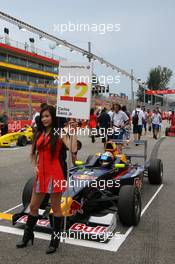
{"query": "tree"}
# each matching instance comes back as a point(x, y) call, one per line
point(158, 79)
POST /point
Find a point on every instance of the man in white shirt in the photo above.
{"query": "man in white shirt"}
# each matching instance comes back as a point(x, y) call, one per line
point(137, 121)
point(118, 121)
point(35, 114)
point(110, 113)
point(35, 117)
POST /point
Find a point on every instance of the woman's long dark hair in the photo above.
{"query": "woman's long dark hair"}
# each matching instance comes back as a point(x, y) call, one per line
point(92, 111)
point(40, 129)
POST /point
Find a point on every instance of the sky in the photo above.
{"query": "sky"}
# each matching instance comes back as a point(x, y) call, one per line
point(146, 38)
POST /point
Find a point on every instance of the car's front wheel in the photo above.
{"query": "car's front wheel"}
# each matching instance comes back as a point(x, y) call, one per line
point(129, 205)
point(22, 141)
point(27, 194)
point(155, 171)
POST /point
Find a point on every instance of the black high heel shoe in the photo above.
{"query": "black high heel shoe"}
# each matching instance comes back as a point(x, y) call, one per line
point(28, 236)
point(56, 234)
point(28, 232)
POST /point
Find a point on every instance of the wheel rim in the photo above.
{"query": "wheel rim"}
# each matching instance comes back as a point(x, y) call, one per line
point(24, 142)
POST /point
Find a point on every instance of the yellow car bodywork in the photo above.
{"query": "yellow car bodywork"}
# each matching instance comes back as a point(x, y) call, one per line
point(11, 139)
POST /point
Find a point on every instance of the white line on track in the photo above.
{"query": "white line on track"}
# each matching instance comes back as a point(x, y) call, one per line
point(113, 245)
point(151, 200)
point(11, 209)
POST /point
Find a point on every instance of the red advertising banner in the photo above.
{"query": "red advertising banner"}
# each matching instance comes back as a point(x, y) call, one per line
point(14, 126)
point(152, 92)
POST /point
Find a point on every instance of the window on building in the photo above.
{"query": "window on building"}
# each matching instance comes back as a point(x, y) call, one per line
point(14, 76)
point(23, 62)
point(13, 60)
point(24, 77)
point(3, 57)
point(3, 73)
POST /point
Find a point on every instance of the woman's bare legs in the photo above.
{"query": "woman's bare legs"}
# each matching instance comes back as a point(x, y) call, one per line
point(35, 202)
point(56, 204)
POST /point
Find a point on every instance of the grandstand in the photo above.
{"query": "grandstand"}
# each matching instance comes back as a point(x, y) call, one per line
point(27, 77)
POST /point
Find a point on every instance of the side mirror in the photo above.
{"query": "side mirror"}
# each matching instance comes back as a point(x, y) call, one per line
point(119, 166)
point(79, 163)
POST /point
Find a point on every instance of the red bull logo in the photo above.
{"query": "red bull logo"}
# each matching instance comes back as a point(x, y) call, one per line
point(76, 207)
point(40, 222)
point(79, 227)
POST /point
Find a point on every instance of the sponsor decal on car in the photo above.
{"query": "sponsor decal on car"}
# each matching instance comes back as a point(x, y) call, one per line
point(79, 227)
point(76, 207)
point(40, 222)
point(85, 177)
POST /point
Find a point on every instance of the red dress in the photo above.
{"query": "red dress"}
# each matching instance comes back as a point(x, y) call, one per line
point(49, 178)
point(172, 119)
point(93, 121)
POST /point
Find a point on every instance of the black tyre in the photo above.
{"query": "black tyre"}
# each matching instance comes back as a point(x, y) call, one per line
point(27, 194)
point(167, 130)
point(129, 205)
point(155, 171)
point(22, 141)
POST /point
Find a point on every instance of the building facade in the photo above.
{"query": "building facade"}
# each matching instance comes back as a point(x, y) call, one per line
point(27, 78)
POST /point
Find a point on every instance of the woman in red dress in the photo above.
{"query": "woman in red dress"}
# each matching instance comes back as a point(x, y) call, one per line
point(46, 150)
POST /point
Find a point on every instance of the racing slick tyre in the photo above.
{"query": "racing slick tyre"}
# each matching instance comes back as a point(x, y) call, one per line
point(129, 205)
point(155, 171)
point(27, 194)
point(22, 141)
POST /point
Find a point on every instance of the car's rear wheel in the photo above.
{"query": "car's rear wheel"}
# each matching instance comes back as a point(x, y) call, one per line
point(167, 130)
point(155, 171)
point(129, 205)
point(27, 194)
point(22, 141)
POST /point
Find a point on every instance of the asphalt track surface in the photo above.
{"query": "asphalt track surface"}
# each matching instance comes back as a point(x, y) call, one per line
point(152, 241)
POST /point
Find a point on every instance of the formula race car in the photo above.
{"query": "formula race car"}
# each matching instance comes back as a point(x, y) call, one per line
point(104, 188)
point(20, 138)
